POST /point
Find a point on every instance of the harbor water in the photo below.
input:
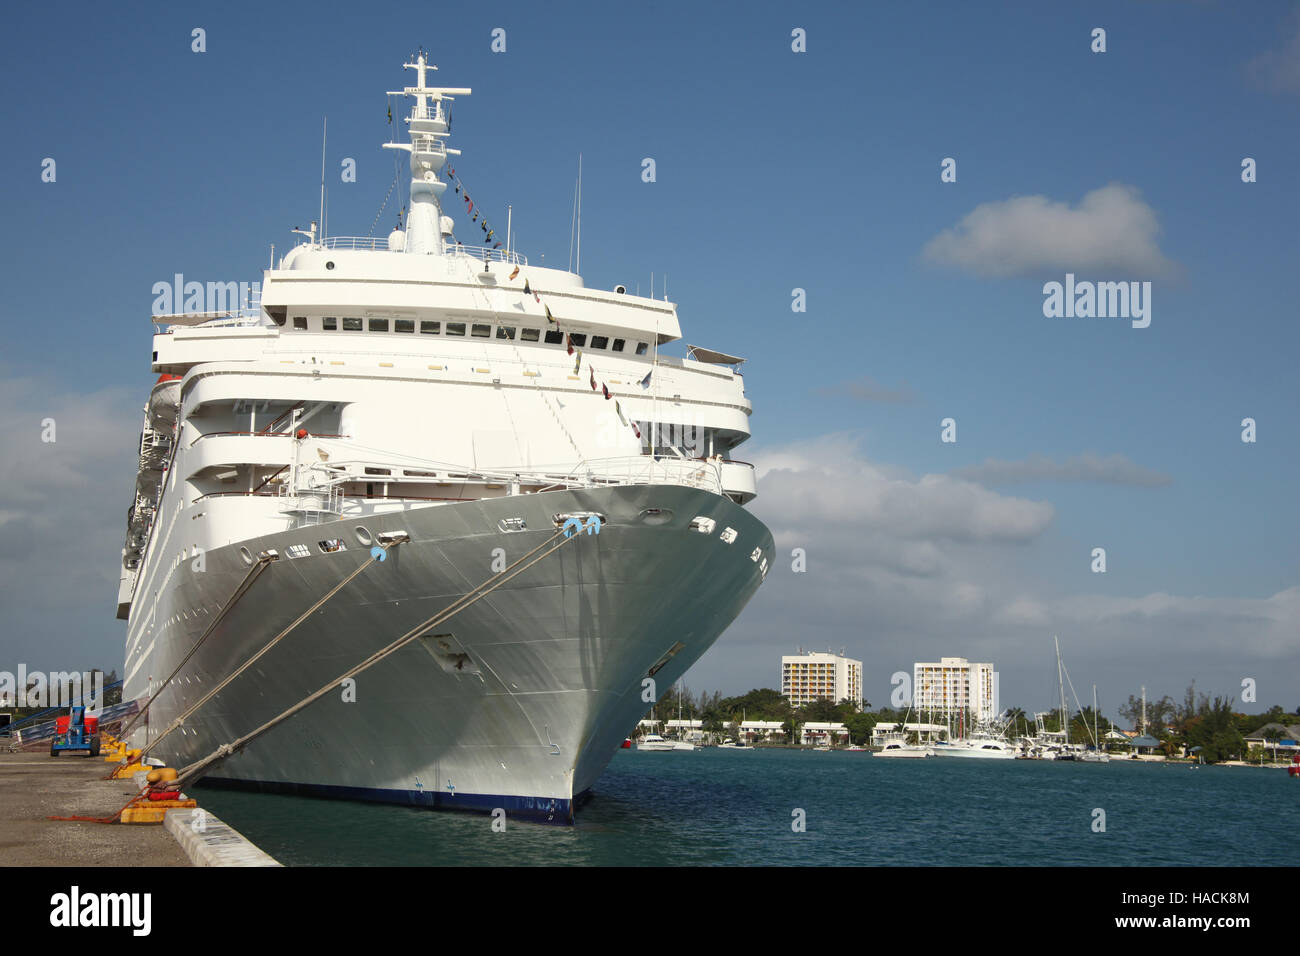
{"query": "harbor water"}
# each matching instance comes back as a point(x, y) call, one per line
point(741, 808)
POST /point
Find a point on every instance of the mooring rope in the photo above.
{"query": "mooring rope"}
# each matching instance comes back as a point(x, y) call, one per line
point(275, 640)
point(253, 574)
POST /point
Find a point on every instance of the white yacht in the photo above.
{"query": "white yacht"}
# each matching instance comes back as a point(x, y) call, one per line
point(654, 742)
point(980, 746)
point(406, 419)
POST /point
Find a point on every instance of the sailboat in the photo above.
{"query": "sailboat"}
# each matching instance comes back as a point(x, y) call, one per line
point(681, 744)
point(1097, 755)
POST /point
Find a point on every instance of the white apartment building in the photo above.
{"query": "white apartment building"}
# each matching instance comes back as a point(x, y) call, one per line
point(809, 676)
point(954, 684)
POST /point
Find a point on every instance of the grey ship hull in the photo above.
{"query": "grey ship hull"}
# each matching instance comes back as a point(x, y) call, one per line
point(523, 698)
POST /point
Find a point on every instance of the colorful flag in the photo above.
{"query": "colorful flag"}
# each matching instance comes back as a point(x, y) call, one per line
point(593, 378)
point(606, 390)
point(618, 408)
point(568, 342)
point(637, 430)
point(515, 273)
point(496, 245)
point(549, 318)
point(390, 112)
point(577, 363)
point(527, 291)
point(451, 171)
point(645, 382)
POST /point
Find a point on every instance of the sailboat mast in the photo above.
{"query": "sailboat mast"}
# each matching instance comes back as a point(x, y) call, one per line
point(1060, 680)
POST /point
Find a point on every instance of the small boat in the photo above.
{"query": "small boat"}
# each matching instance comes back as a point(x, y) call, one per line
point(1294, 769)
point(897, 748)
point(730, 744)
point(627, 744)
point(655, 742)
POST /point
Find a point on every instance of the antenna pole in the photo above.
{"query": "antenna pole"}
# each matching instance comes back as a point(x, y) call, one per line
point(509, 218)
point(324, 128)
point(579, 262)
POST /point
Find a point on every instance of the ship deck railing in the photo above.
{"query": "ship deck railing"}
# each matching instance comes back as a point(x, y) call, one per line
point(380, 244)
point(391, 479)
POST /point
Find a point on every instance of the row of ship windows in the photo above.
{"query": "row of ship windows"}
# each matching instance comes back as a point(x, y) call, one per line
point(330, 323)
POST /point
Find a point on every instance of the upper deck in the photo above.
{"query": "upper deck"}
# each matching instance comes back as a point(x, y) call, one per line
point(363, 276)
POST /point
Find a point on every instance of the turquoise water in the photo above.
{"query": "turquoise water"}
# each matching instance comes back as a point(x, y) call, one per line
point(726, 807)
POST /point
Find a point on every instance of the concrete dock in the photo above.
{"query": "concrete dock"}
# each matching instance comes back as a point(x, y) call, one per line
point(34, 786)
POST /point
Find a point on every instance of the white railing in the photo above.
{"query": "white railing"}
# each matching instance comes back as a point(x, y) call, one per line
point(380, 244)
point(592, 473)
point(478, 252)
point(370, 243)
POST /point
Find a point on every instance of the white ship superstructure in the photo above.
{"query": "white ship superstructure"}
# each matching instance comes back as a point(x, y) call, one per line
point(458, 405)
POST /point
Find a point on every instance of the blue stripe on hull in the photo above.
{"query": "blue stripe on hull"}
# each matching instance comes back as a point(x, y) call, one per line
point(536, 809)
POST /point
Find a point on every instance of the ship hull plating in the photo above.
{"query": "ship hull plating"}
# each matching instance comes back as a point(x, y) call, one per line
point(518, 701)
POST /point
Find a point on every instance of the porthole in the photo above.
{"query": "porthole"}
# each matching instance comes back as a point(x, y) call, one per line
point(246, 555)
point(364, 538)
point(330, 264)
point(656, 516)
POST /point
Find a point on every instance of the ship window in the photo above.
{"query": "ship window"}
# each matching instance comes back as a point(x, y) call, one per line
point(480, 331)
point(455, 328)
point(429, 328)
point(618, 345)
point(351, 324)
point(298, 550)
point(379, 471)
point(329, 323)
point(378, 325)
point(300, 321)
point(505, 331)
point(599, 341)
point(404, 325)
point(579, 338)
point(554, 337)
point(331, 545)
point(641, 348)
point(530, 335)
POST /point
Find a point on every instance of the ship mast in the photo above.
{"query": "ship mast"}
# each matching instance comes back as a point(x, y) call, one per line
point(426, 224)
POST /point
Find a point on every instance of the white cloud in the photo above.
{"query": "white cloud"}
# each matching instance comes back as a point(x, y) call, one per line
point(826, 483)
point(1111, 231)
point(1279, 70)
point(1113, 469)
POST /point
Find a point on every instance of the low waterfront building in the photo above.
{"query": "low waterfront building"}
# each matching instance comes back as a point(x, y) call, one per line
point(1275, 739)
point(820, 732)
point(692, 730)
point(753, 730)
point(887, 728)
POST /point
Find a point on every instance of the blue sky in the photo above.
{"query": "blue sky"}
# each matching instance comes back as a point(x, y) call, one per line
point(775, 170)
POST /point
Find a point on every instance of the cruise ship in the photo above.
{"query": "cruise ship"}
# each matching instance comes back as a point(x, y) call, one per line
point(368, 453)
